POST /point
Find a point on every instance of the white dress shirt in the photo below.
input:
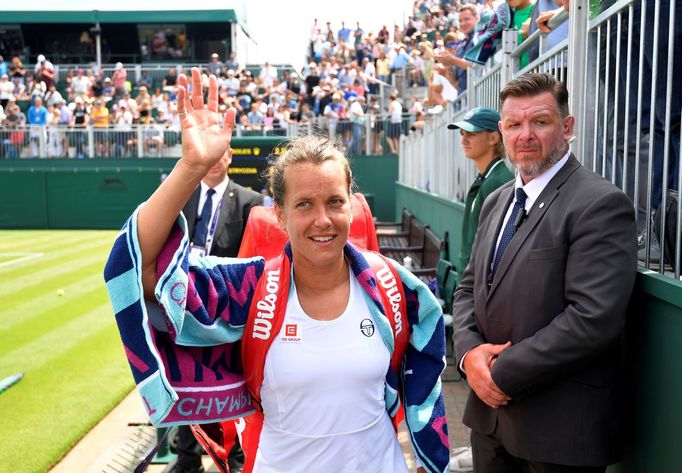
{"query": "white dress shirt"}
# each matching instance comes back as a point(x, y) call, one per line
point(533, 190)
point(217, 197)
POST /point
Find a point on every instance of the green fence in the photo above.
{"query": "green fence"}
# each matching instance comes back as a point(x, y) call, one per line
point(652, 342)
point(102, 193)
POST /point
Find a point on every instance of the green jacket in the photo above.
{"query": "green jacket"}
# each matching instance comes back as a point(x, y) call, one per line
point(495, 175)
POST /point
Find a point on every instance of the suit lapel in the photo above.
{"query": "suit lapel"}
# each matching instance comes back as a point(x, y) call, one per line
point(226, 209)
point(496, 219)
point(535, 215)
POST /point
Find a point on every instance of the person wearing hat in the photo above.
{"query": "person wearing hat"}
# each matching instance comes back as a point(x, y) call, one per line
point(231, 84)
point(44, 71)
point(215, 66)
point(482, 143)
point(417, 68)
point(119, 79)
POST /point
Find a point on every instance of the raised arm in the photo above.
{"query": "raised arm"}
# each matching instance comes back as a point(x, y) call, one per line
point(203, 143)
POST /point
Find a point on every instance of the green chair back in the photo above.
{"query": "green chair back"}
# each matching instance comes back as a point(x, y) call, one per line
point(451, 282)
point(442, 270)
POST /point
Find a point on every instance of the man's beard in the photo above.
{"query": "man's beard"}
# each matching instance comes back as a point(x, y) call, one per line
point(535, 168)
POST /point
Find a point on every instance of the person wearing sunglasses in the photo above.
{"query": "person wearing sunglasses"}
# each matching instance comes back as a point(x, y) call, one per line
point(453, 56)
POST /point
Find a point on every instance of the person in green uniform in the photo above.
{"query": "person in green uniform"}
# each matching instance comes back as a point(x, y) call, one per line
point(482, 143)
point(522, 10)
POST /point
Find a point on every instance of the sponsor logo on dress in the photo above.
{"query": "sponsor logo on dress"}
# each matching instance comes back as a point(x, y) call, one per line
point(292, 333)
point(367, 327)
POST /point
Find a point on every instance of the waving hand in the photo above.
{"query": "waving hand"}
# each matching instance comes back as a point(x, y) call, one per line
point(204, 141)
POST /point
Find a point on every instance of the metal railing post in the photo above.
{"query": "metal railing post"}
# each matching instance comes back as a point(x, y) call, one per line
point(578, 22)
point(140, 143)
point(510, 39)
point(470, 92)
point(91, 142)
point(368, 135)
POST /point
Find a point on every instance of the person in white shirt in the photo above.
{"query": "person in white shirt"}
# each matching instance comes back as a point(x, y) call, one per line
point(231, 83)
point(395, 112)
point(268, 74)
point(357, 118)
point(6, 90)
point(80, 85)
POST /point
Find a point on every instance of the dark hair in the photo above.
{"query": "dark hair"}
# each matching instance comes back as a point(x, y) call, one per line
point(531, 84)
point(311, 148)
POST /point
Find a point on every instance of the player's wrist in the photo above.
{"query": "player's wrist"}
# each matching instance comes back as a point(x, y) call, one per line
point(190, 172)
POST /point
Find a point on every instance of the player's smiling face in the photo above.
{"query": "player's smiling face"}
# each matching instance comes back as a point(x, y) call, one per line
point(316, 212)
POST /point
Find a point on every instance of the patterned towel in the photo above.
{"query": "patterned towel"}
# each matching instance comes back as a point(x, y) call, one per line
point(181, 379)
point(488, 34)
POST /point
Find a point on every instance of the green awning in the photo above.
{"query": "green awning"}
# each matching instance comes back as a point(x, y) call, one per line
point(94, 16)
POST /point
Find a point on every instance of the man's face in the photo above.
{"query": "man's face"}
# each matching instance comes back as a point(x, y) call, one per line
point(467, 22)
point(534, 133)
point(219, 169)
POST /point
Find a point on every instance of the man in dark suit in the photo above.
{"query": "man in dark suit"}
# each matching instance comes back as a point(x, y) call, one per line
point(541, 306)
point(216, 215)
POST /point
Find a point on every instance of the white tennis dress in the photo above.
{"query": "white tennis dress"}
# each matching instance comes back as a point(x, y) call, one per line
point(323, 395)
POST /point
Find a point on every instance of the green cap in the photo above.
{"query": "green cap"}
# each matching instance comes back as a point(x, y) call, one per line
point(478, 119)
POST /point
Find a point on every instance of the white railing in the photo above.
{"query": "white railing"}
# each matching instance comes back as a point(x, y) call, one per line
point(364, 137)
point(618, 67)
point(57, 141)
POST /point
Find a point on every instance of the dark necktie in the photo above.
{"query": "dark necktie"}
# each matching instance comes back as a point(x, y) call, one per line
point(201, 229)
point(515, 219)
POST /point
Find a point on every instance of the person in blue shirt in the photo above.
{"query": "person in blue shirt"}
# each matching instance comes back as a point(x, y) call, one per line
point(401, 60)
point(344, 33)
point(37, 115)
point(3, 66)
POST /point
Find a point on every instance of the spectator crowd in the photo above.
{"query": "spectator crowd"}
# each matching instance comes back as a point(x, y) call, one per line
point(345, 88)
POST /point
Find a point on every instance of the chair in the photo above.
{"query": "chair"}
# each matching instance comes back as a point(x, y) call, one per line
point(443, 268)
point(400, 228)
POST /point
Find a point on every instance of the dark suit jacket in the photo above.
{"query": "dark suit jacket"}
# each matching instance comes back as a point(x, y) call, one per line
point(237, 203)
point(559, 295)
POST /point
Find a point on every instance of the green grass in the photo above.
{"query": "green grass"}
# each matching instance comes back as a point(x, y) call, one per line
point(67, 346)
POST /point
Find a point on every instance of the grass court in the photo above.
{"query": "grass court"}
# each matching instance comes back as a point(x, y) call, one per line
point(57, 327)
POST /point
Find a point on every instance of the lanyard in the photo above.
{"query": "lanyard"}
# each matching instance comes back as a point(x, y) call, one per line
point(212, 227)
